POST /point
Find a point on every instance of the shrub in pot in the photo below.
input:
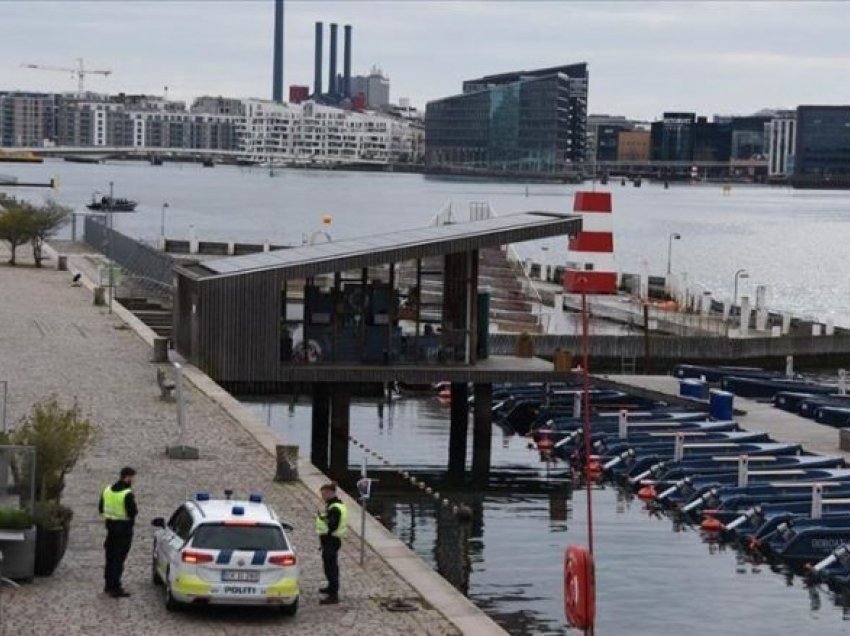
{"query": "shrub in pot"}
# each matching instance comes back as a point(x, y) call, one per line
point(18, 555)
point(60, 436)
point(53, 525)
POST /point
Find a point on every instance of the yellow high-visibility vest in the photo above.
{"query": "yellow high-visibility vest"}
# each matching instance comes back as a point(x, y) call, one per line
point(322, 522)
point(114, 504)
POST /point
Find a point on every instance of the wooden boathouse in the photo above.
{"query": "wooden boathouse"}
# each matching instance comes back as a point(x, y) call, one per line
point(331, 315)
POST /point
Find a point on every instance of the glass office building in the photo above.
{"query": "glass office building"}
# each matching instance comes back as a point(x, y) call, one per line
point(823, 141)
point(523, 122)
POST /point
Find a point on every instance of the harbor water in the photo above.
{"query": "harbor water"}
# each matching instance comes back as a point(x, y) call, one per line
point(794, 242)
point(653, 578)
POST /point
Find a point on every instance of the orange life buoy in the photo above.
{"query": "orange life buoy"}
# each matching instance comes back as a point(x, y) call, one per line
point(579, 587)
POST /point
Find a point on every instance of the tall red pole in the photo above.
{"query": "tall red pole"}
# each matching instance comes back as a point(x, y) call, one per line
point(585, 339)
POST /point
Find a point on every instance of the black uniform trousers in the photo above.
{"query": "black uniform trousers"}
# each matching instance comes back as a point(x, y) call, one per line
point(119, 538)
point(330, 552)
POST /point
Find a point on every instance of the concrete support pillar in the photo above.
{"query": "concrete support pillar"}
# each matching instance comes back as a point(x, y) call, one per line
point(727, 308)
point(761, 319)
point(340, 407)
point(193, 240)
point(786, 324)
point(458, 430)
point(830, 327)
point(744, 318)
point(321, 423)
point(231, 248)
point(482, 433)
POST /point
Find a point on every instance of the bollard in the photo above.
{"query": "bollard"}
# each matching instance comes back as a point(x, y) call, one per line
point(786, 324)
point(62, 263)
point(817, 501)
point(842, 382)
point(160, 349)
point(624, 424)
point(287, 463)
point(743, 471)
point(576, 404)
point(789, 366)
point(180, 450)
point(100, 296)
point(679, 448)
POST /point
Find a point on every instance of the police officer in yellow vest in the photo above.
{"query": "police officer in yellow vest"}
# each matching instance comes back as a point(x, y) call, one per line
point(118, 507)
point(330, 526)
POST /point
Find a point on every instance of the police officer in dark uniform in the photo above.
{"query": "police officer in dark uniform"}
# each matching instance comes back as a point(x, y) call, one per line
point(331, 526)
point(118, 507)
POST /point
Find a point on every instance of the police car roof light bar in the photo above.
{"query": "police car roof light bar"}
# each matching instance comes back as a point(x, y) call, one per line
point(202, 496)
point(255, 498)
point(237, 511)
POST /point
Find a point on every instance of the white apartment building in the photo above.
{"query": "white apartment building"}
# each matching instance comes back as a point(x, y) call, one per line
point(311, 133)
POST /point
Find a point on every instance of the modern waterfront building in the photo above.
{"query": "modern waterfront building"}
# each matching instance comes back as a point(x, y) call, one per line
point(672, 138)
point(603, 136)
point(822, 143)
point(781, 142)
point(633, 145)
point(27, 119)
point(519, 122)
point(312, 133)
point(375, 88)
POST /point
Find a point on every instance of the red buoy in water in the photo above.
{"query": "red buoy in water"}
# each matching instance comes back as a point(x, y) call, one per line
point(579, 587)
point(647, 493)
point(711, 524)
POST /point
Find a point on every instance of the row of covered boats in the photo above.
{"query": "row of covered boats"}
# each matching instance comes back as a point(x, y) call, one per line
point(773, 500)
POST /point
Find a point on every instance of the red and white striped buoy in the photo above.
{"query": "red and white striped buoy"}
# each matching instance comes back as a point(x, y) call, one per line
point(591, 268)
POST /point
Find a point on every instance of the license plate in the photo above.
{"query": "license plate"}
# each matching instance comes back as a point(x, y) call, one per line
point(241, 576)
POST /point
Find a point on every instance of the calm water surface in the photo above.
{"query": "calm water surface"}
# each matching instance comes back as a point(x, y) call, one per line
point(795, 242)
point(651, 579)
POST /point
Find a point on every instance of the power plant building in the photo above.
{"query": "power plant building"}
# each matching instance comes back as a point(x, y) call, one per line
point(524, 122)
point(375, 88)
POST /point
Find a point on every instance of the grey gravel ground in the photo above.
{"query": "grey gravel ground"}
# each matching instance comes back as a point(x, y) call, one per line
point(53, 340)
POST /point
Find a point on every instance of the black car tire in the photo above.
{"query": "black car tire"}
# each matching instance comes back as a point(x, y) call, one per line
point(289, 610)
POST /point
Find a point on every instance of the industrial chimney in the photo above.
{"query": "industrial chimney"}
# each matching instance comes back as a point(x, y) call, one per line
point(277, 63)
point(317, 63)
point(332, 87)
point(346, 64)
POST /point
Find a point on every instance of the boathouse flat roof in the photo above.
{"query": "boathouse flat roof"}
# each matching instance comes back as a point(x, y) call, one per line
point(392, 247)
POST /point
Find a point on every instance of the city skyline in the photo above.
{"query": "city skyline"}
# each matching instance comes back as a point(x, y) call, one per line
point(644, 58)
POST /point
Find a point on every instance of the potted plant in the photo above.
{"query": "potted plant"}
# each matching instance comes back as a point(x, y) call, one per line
point(60, 436)
point(53, 525)
point(563, 360)
point(17, 543)
point(524, 346)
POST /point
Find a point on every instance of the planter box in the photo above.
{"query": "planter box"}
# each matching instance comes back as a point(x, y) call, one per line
point(18, 547)
point(563, 360)
point(50, 547)
point(524, 348)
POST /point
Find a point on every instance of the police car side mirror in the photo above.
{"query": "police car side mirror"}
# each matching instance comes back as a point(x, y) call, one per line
point(158, 522)
point(287, 527)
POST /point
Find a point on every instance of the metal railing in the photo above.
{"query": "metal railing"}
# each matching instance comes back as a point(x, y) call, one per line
point(150, 268)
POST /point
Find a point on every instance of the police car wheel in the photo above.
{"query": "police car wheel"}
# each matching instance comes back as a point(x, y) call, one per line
point(156, 579)
point(171, 604)
point(289, 610)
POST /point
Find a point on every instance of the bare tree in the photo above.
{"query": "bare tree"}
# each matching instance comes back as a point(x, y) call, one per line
point(44, 222)
point(15, 224)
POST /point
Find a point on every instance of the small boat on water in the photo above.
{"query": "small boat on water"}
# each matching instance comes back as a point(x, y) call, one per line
point(112, 204)
point(20, 157)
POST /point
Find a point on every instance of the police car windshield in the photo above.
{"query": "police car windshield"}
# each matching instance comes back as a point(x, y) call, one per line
point(215, 536)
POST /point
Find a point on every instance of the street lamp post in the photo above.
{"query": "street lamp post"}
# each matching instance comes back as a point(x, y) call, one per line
point(674, 236)
point(162, 220)
point(741, 273)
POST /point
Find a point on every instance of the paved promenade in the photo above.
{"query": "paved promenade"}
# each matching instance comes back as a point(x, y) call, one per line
point(53, 340)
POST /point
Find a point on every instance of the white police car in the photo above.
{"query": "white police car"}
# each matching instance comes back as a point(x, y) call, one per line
point(225, 551)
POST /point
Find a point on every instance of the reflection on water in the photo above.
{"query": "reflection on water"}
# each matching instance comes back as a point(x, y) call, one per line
point(653, 576)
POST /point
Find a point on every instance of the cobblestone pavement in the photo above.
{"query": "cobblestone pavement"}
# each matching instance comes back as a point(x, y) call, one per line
point(53, 340)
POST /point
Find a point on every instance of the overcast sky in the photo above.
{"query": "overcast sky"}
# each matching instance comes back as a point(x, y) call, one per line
point(644, 57)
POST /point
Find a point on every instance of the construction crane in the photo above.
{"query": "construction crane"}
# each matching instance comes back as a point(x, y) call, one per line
point(80, 72)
